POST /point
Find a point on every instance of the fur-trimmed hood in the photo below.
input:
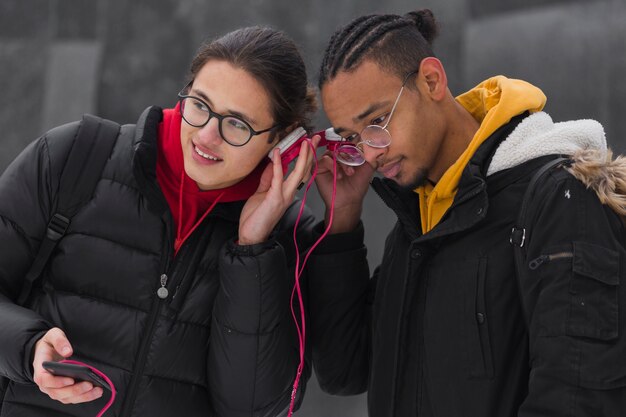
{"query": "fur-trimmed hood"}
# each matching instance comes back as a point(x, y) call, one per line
point(603, 174)
point(584, 140)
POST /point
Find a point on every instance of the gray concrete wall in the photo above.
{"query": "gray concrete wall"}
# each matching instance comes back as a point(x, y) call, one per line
point(574, 51)
point(61, 58)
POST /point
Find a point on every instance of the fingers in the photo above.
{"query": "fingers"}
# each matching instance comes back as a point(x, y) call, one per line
point(277, 165)
point(266, 178)
point(325, 165)
point(312, 159)
point(56, 337)
point(45, 380)
point(53, 346)
point(74, 394)
point(348, 170)
point(302, 170)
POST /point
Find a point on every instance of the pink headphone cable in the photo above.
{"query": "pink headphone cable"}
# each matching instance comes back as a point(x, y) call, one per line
point(299, 269)
point(103, 376)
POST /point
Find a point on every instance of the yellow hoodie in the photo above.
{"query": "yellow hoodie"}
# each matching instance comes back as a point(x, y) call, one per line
point(493, 103)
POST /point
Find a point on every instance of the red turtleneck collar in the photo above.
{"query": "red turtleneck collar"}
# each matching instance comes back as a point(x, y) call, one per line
point(188, 204)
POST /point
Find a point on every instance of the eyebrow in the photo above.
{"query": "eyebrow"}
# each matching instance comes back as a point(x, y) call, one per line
point(235, 113)
point(364, 115)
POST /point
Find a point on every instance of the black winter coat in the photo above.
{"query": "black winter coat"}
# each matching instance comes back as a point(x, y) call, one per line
point(221, 344)
point(443, 329)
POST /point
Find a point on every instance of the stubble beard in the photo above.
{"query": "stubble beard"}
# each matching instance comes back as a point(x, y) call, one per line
point(416, 180)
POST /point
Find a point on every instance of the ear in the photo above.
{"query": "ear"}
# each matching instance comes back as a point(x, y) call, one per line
point(284, 132)
point(433, 78)
point(288, 130)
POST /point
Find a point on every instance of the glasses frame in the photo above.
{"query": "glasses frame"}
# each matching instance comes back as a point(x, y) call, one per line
point(182, 96)
point(359, 145)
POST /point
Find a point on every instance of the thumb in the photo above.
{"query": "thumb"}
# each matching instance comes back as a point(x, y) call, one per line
point(324, 164)
point(56, 337)
point(266, 178)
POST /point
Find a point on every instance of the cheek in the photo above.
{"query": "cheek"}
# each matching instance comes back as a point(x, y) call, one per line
point(185, 136)
point(244, 159)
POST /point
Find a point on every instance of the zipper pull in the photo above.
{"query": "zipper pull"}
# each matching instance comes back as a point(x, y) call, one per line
point(536, 263)
point(162, 292)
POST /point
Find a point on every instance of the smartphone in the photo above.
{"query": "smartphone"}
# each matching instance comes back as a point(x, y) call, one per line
point(76, 372)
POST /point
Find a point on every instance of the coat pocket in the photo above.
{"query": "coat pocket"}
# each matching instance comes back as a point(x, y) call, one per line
point(584, 305)
point(593, 319)
point(479, 343)
point(593, 302)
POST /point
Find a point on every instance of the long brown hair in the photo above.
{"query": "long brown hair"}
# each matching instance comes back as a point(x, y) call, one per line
point(273, 59)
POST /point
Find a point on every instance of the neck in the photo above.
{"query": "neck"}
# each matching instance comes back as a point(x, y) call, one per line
point(460, 130)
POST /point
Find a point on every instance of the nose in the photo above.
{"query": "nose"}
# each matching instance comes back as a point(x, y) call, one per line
point(372, 155)
point(209, 134)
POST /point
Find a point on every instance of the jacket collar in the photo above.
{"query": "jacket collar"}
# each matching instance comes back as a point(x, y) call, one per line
point(145, 158)
point(470, 204)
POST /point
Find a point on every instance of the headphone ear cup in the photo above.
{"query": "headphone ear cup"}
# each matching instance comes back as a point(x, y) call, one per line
point(289, 146)
point(291, 153)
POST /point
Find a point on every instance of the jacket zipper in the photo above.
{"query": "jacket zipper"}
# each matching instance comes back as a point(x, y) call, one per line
point(540, 260)
point(143, 354)
point(405, 219)
point(161, 294)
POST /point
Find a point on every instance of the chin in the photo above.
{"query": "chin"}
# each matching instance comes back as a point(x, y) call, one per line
point(411, 183)
point(196, 176)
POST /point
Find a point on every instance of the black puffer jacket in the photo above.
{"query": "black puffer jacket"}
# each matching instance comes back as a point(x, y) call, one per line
point(443, 329)
point(221, 344)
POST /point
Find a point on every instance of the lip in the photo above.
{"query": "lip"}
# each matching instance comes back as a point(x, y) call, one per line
point(201, 159)
point(390, 170)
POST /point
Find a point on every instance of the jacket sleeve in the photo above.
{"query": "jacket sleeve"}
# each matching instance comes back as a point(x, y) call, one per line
point(575, 304)
point(340, 298)
point(254, 350)
point(25, 190)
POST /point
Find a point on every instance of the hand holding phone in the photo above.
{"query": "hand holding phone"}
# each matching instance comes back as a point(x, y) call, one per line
point(52, 347)
point(76, 372)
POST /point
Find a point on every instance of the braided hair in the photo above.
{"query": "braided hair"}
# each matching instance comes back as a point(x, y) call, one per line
point(395, 43)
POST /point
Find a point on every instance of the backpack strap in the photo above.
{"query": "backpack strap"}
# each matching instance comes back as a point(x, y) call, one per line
point(83, 169)
point(519, 231)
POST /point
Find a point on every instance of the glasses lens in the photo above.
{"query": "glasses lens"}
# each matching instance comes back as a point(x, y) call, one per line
point(194, 111)
point(350, 155)
point(235, 131)
point(376, 136)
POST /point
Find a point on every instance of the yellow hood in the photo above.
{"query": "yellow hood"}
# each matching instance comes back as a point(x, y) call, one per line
point(493, 103)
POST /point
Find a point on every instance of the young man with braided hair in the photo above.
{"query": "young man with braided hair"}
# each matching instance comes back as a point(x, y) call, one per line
point(449, 325)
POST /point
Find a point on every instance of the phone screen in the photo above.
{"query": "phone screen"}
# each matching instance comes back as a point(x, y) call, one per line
point(76, 372)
